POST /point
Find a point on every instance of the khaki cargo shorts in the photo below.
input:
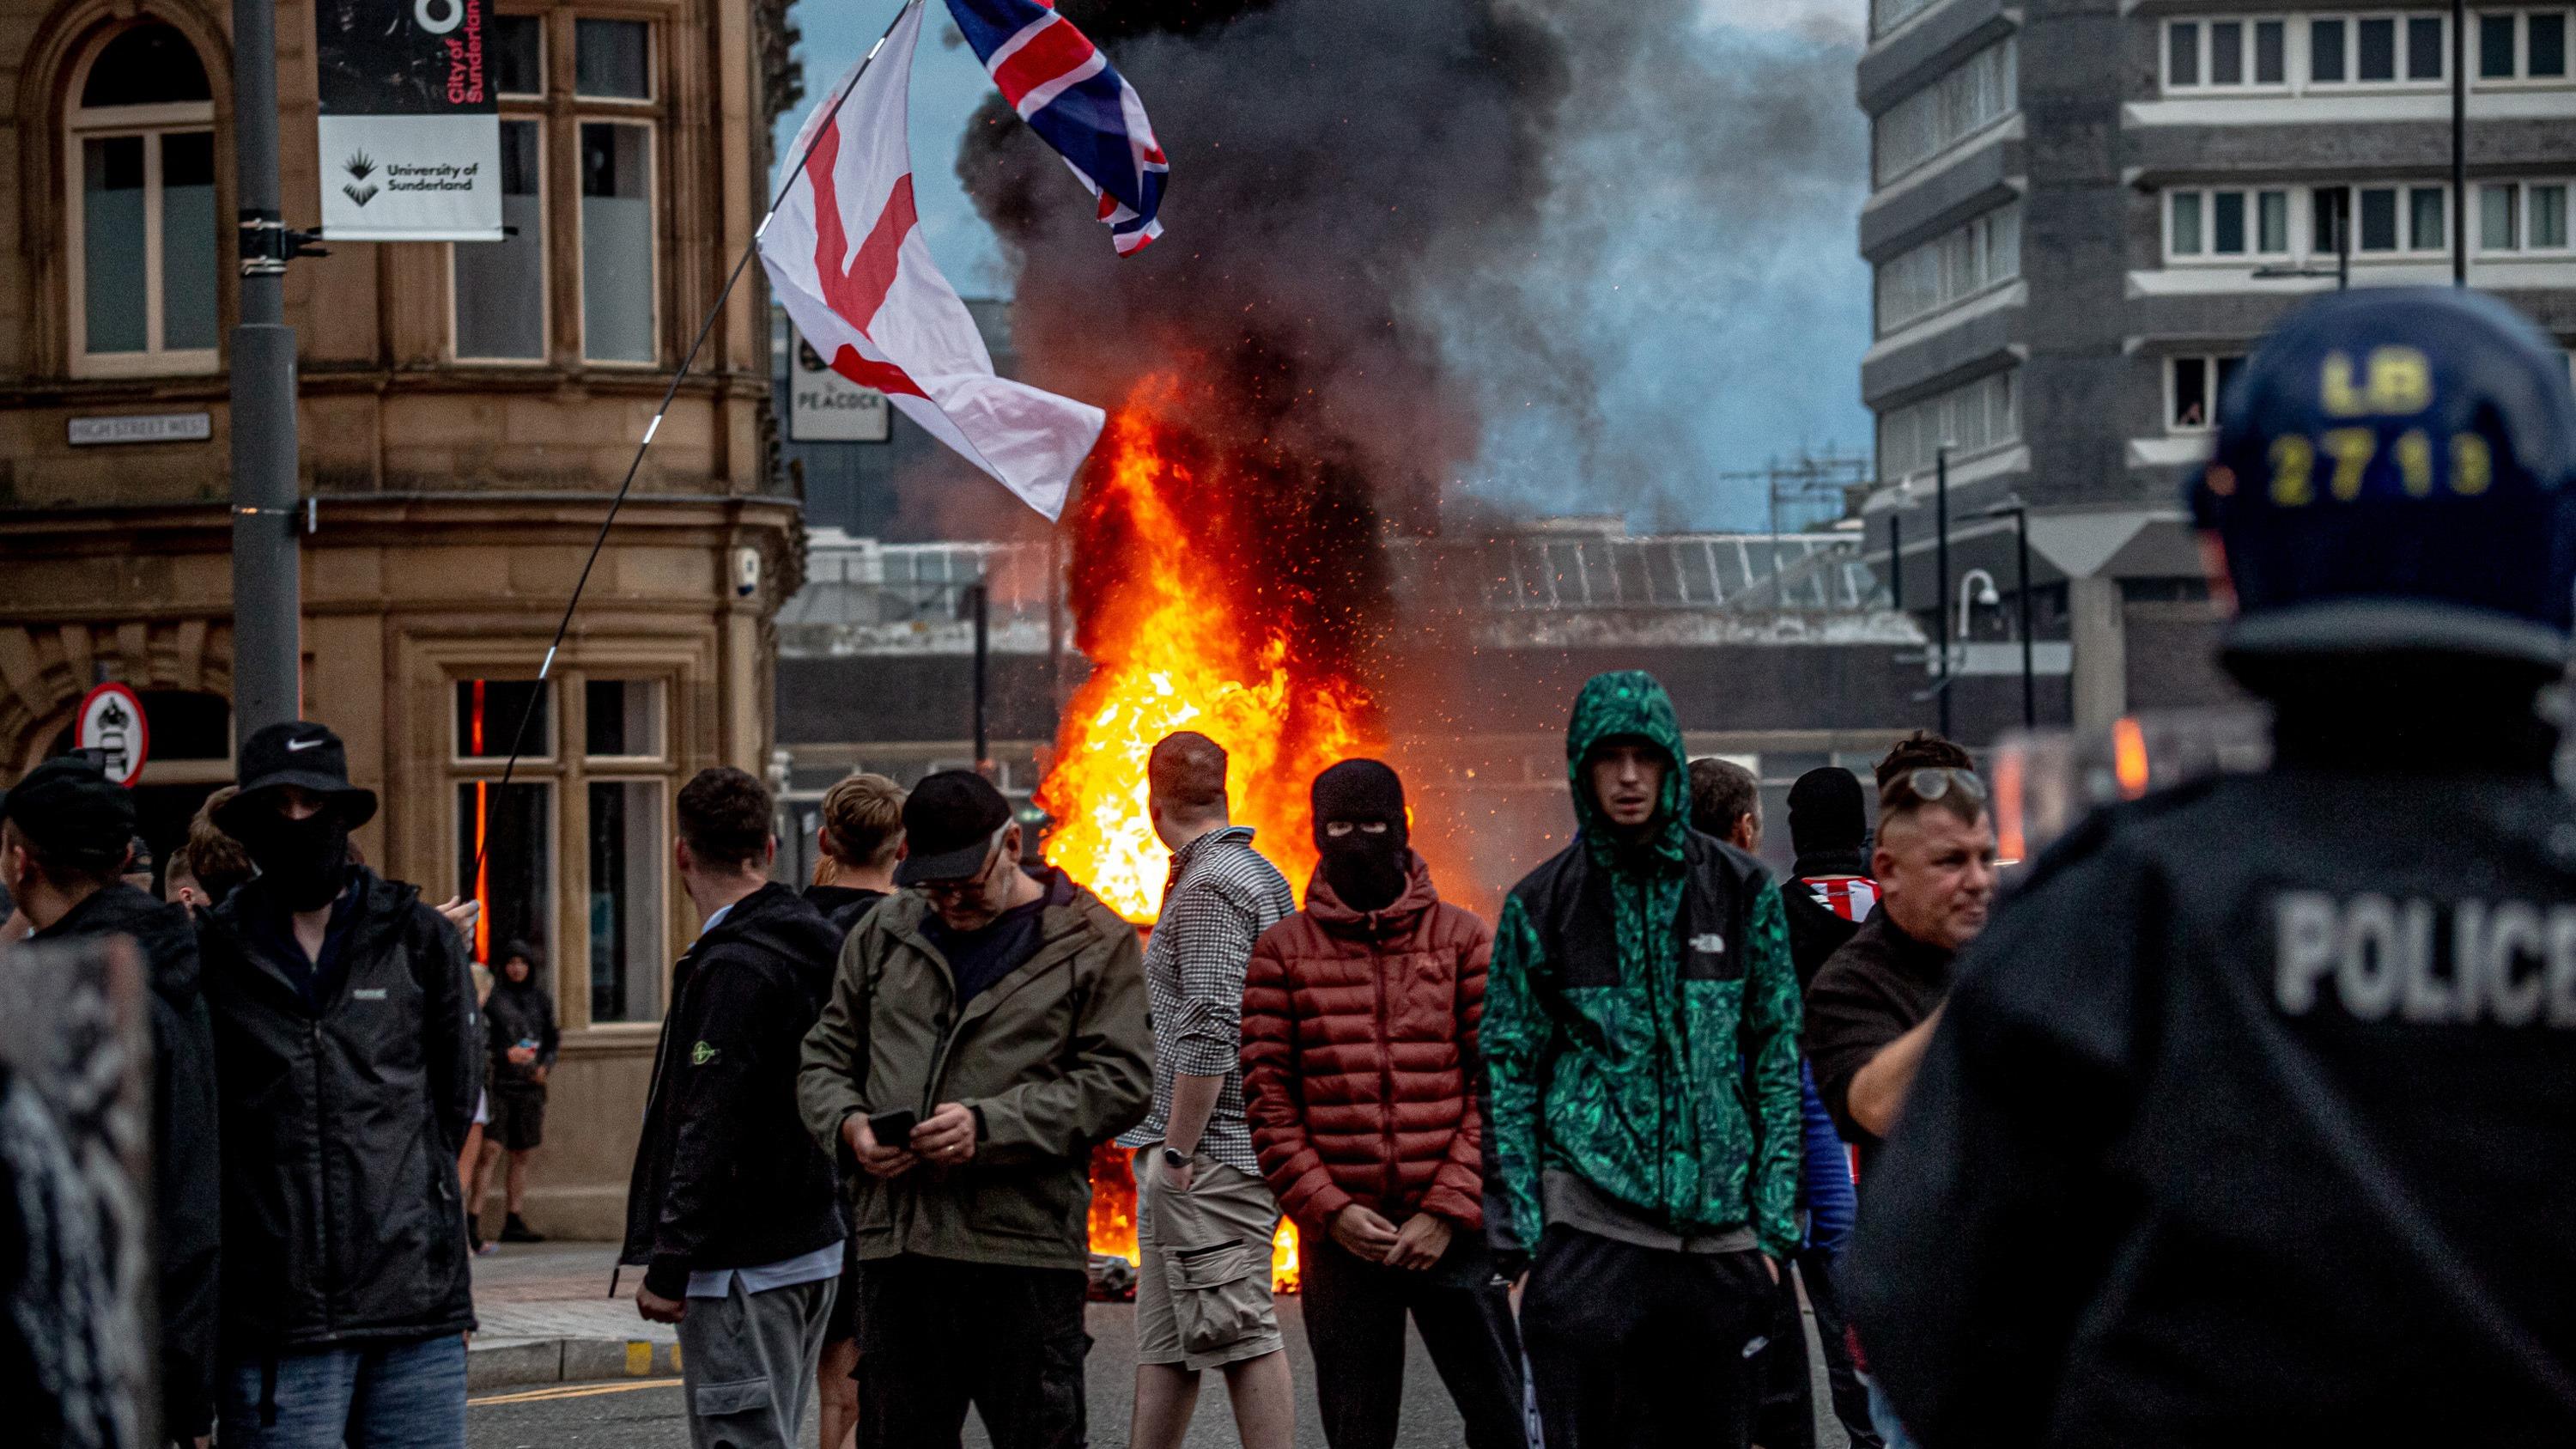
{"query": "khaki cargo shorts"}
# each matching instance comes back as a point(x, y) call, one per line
point(1203, 1285)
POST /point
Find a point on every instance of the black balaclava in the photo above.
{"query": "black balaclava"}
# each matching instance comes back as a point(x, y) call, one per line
point(1367, 869)
point(1827, 812)
point(305, 861)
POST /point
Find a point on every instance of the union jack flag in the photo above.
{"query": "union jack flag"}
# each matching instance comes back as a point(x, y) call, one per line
point(1077, 102)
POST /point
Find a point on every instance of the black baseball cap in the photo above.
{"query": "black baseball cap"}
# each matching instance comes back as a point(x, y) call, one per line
point(69, 809)
point(299, 753)
point(950, 821)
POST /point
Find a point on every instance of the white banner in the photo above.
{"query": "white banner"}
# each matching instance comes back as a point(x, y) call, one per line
point(410, 128)
point(411, 178)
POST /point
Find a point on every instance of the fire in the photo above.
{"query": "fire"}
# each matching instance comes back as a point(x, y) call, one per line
point(1188, 625)
point(1205, 603)
point(1113, 1218)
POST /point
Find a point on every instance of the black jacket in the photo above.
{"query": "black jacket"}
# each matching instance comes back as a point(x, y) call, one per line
point(517, 1012)
point(843, 906)
point(2249, 1123)
point(1817, 930)
point(1882, 984)
point(342, 1218)
point(188, 1207)
point(725, 1175)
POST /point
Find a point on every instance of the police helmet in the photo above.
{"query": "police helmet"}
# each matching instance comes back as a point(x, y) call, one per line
point(2396, 471)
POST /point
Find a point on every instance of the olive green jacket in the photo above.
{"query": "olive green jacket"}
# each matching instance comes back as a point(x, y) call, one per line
point(1054, 1058)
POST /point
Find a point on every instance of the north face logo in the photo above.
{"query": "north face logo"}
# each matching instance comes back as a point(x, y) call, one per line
point(1708, 943)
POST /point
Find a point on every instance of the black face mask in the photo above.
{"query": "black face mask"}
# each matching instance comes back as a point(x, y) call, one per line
point(1366, 869)
point(305, 861)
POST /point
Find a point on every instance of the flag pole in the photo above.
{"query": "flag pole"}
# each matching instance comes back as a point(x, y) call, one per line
point(527, 712)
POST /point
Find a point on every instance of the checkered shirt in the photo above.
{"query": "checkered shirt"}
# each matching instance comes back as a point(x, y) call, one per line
point(1220, 896)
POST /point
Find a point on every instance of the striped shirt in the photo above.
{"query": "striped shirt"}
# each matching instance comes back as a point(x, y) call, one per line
point(1220, 896)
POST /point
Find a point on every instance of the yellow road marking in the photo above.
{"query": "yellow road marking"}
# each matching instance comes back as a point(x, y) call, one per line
point(575, 1391)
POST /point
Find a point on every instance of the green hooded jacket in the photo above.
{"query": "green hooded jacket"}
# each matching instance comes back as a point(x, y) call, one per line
point(1641, 1014)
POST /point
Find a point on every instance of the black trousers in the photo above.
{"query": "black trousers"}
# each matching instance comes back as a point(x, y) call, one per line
point(1633, 1347)
point(1842, 1376)
point(936, 1336)
point(1355, 1312)
point(1786, 1417)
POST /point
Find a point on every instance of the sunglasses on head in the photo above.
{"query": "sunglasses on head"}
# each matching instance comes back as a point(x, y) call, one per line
point(1934, 782)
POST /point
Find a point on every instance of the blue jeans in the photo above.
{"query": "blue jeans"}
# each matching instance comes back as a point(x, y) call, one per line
point(1881, 1412)
point(381, 1396)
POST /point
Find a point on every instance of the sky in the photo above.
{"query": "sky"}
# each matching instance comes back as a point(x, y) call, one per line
point(1705, 260)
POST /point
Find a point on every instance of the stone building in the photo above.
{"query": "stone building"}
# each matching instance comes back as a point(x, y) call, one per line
point(465, 412)
point(2082, 215)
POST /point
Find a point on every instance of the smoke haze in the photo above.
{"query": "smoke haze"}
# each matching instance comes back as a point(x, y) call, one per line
point(1556, 259)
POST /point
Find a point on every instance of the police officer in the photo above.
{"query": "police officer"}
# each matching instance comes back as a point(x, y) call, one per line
point(2250, 1122)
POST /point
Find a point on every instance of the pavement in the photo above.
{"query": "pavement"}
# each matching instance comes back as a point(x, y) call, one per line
point(561, 1365)
point(547, 1318)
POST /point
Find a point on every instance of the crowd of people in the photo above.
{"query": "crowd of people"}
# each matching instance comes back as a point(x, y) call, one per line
point(2243, 1120)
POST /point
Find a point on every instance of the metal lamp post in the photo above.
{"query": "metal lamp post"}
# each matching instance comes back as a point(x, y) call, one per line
point(2020, 514)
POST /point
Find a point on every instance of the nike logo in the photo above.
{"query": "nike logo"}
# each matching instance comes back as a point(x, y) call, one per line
point(294, 745)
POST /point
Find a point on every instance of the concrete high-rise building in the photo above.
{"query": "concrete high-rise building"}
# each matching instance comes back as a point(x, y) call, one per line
point(2081, 217)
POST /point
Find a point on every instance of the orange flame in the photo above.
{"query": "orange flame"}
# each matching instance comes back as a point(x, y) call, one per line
point(1170, 649)
point(1113, 1218)
point(1187, 626)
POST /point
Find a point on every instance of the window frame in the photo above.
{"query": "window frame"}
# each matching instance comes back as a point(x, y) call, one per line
point(2521, 77)
point(621, 770)
point(545, 51)
point(2350, 21)
point(1977, 237)
point(2526, 209)
point(2213, 366)
point(2006, 65)
point(2204, 49)
point(2208, 254)
point(1999, 395)
point(81, 124)
point(530, 113)
point(652, 96)
point(651, 126)
point(567, 772)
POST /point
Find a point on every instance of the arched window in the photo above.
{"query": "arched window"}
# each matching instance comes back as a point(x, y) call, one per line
point(145, 241)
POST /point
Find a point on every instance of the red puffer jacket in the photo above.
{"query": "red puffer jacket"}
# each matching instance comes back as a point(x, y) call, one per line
point(1359, 1049)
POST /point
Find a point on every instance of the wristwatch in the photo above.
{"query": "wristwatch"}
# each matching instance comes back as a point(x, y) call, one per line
point(1173, 1159)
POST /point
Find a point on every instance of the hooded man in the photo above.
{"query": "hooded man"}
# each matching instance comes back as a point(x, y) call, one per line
point(1830, 891)
point(519, 1020)
point(349, 1052)
point(1359, 1061)
point(2247, 1121)
point(1641, 1041)
point(64, 834)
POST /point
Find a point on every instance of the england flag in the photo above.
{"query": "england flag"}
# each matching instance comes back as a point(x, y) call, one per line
point(846, 258)
point(1076, 101)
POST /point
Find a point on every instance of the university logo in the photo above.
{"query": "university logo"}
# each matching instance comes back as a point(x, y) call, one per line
point(360, 166)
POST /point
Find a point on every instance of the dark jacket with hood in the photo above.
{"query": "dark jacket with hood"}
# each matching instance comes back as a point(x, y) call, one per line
point(725, 1176)
point(515, 1012)
point(1641, 1015)
point(342, 1118)
point(188, 1204)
